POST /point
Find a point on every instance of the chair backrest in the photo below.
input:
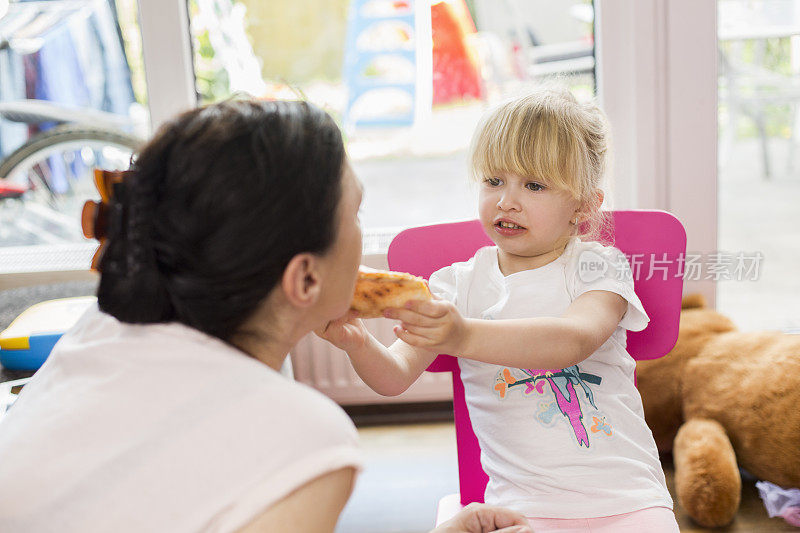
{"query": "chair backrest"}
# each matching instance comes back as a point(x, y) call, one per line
point(653, 241)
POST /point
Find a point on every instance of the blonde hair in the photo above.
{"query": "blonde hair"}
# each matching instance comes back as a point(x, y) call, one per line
point(551, 137)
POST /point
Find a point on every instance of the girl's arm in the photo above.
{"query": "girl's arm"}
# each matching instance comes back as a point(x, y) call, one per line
point(542, 342)
point(387, 371)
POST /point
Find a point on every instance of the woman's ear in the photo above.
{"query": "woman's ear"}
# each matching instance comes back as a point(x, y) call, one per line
point(301, 282)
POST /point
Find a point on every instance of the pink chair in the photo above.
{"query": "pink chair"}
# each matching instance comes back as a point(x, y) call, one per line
point(653, 241)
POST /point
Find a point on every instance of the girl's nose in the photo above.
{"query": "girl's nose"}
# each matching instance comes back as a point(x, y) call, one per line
point(508, 202)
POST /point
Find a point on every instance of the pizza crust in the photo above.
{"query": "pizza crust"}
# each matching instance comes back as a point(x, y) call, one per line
point(377, 290)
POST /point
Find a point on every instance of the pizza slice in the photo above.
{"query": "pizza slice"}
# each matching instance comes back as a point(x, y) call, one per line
point(377, 290)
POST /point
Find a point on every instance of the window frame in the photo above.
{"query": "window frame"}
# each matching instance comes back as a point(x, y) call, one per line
point(168, 58)
point(657, 81)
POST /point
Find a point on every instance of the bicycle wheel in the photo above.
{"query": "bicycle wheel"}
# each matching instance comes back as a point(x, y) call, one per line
point(56, 169)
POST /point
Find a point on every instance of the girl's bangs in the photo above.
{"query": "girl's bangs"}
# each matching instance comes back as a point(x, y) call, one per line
point(506, 150)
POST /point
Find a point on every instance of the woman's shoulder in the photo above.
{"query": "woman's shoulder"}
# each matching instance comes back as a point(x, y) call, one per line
point(179, 373)
point(293, 435)
point(309, 412)
point(181, 362)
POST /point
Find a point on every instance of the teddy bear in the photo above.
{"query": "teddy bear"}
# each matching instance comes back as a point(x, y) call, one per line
point(723, 399)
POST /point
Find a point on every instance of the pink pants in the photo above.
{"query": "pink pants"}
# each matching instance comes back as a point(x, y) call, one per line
point(650, 520)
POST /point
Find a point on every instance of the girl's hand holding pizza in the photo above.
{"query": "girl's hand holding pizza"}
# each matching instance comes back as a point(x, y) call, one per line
point(434, 325)
point(347, 333)
point(375, 291)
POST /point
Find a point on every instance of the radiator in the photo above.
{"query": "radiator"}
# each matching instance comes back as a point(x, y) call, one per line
point(319, 364)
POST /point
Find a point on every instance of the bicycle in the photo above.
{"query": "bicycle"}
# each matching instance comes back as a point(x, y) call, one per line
point(52, 169)
point(76, 129)
point(44, 182)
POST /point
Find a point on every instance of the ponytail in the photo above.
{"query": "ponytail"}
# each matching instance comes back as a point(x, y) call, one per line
point(131, 286)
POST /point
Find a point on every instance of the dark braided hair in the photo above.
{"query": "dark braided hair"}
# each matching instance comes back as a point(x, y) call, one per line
point(217, 204)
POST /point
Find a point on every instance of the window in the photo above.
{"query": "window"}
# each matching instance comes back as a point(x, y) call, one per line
point(406, 84)
point(759, 157)
point(74, 98)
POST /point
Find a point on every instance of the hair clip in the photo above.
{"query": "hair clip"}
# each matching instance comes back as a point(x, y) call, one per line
point(96, 216)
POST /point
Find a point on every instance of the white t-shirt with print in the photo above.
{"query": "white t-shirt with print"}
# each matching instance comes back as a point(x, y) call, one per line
point(160, 428)
point(571, 443)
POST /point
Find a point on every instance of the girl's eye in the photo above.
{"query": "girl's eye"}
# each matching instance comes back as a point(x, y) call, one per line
point(534, 186)
point(494, 182)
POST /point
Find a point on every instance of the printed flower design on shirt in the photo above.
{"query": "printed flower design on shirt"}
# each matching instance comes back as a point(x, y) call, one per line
point(562, 384)
point(600, 424)
point(547, 412)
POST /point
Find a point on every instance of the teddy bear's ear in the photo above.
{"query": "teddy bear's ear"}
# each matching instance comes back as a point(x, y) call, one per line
point(694, 301)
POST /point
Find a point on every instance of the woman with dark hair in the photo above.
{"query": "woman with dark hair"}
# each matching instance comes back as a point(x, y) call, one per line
point(235, 234)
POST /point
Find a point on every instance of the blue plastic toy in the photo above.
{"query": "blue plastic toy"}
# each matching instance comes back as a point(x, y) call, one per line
point(27, 342)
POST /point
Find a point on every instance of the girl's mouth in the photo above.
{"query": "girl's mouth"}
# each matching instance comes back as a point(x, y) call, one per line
point(508, 229)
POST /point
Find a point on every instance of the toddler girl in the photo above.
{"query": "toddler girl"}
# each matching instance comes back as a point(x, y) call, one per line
point(539, 325)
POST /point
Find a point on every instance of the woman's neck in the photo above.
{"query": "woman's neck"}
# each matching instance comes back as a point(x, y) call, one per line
point(269, 351)
point(271, 333)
